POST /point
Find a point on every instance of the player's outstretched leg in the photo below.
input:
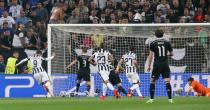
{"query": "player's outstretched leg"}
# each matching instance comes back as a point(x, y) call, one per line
point(136, 87)
point(104, 87)
point(77, 87)
point(169, 91)
point(152, 91)
point(121, 89)
point(48, 88)
point(88, 88)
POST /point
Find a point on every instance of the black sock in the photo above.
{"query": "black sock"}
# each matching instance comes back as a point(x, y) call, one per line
point(168, 89)
point(77, 87)
point(152, 90)
point(121, 89)
point(88, 88)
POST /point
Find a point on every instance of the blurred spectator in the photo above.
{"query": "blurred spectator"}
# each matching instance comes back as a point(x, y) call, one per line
point(124, 7)
point(27, 10)
point(19, 42)
point(163, 7)
point(33, 3)
point(2, 7)
point(86, 41)
point(189, 5)
point(8, 19)
point(198, 17)
point(97, 40)
point(130, 17)
point(81, 8)
point(15, 9)
point(74, 18)
point(187, 16)
point(136, 7)
point(57, 14)
point(177, 10)
point(35, 18)
point(42, 12)
point(93, 15)
point(93, 6)
point(86, 19)
point(6, 40)
point(22, 19)
point(40, 31)
point(206, 18)
point(2, 64)
point(11, 62)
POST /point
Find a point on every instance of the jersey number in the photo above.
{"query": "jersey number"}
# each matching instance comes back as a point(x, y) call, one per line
point(84, 63)
point(35, 63)
point(128, 61)
point(101, 59)
point(161, 51)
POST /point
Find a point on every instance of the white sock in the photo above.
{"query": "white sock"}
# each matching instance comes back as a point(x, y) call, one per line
point(110, 86)
point(138, 91)
point(134, 87)
point(104, 89)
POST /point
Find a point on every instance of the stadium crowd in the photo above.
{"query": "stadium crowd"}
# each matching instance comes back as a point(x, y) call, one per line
point(24, 22)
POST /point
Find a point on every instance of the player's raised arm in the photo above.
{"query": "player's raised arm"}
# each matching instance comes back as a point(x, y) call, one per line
point(119, 65)
point(91, 60)
point(50, 58)
point(22, 61)
point(151, 54)
point(72, 63)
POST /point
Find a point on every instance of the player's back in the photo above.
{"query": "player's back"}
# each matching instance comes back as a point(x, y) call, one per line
point(129, 58)
point(198, 87)
point(160, 47)
point(83, 61)
point(102, 59)
point(36, 61)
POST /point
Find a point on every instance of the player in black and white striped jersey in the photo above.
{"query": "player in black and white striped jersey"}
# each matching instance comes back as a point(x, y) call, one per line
point(38, 71)
point(129, 59)
point(101, 58)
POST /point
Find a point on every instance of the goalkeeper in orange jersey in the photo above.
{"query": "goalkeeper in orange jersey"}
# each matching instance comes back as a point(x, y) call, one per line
point(198, 87)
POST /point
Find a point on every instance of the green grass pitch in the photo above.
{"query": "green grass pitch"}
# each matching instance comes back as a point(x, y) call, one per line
point(161, 103)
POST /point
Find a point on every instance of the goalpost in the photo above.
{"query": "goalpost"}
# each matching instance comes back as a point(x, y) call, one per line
point(190, 42)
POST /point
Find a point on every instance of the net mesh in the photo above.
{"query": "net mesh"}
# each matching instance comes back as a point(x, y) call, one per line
point(190, 44)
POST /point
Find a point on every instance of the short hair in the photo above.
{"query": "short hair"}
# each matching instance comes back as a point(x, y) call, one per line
point(39, 52)
point(190, 79)
point(159, 33)
point(132, 48)
point(14, 52)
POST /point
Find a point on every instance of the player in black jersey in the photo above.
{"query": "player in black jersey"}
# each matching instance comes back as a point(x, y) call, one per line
point(159, 48)
point(115, 79)
point(84, 70)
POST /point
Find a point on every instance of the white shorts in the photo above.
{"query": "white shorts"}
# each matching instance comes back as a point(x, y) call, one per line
point(133, 77)
point(41, 77)
point(104, 75)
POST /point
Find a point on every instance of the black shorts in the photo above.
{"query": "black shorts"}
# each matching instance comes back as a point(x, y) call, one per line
point(161, 70)
point(114, 78)
point(83, 74)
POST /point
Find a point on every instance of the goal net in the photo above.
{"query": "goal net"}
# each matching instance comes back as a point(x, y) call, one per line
point(190, 43)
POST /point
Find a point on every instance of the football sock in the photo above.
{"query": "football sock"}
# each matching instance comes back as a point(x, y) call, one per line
point(168, 89)
point(134, 87)
point(88, 88)
point(152, 90)
point(77, 86)
point(138, 91)
point(110, 86)
point(121, 89)
point(104, 89)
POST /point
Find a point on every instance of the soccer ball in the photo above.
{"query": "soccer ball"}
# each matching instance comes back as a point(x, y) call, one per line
point(62, 94)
